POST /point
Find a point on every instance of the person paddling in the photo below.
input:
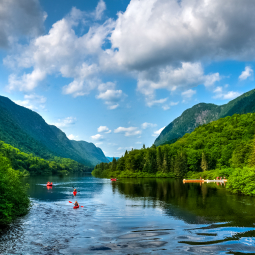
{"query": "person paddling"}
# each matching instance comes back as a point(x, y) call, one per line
point(76, 203)
point(75, 190)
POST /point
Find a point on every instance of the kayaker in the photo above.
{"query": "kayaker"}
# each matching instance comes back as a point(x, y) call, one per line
point(74, 190)
point(76, 203)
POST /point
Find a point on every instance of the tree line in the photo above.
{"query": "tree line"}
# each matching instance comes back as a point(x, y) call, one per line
point(28, 164)
point(221, 144)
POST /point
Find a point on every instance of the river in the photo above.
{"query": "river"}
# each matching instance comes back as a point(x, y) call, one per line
point(131, 216)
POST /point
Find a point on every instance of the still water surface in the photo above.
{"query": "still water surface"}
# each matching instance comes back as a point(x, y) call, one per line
point(131, 216)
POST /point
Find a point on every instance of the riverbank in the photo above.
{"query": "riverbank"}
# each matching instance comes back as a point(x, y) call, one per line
point(130, 174)
point(14, 201)
point(240, 180)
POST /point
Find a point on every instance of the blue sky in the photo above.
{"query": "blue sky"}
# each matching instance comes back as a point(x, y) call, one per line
point(116, 72)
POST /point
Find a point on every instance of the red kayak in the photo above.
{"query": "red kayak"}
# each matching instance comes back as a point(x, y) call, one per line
point(74, 193)
point(49, 184)
point(76, 207)
point(114, 180)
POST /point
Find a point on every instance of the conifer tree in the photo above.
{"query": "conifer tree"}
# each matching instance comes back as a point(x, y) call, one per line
point(252, 156)
point(159, 158)
point(114, 164)
point(204, 164)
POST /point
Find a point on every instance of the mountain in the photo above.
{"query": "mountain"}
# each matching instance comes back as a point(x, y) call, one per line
point(111, 158)
point(27, 131)
point(204, 113)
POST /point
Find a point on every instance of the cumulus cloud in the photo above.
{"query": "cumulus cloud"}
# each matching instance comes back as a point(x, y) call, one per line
point(33, 102)
point(111, 97)
point(146, 125)
point(61, 123)
point(187, 76)
point(166, 107)
point(153, 32)
point(20, 18)
point(162, 43)
point(62, 52)
point(97, 137)
point(188, 94)
point(220, 93)
point(130, 131)
point(72, 137)
point(246, 73)
point(101, 7)
point(104, 129)
point(157, 133)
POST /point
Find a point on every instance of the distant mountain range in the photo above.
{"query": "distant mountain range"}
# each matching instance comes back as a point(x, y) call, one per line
point(111, 158)
point(203, 113)
point(27, 131)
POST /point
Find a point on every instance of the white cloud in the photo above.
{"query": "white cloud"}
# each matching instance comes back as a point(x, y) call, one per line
point(155, 32)
point(99, 143)
point(187, 76)
point(153, 102)
point(125, 148)
point(246, 73)
point(138, 142)
point(111, 97)
point(97, 137)
point(188, 94)
point(61, 123)
point(32, 101)
point(101, 7)
point(62, 52)
point(146, 125)
point(157, 133)
point(20, 18)
point(174, 103)
point(103, 129)
point(26, 82)
point(166, 107)
point(162, 43)
point(218, 90)
point(72, 137)
point(222, 94)
point(130, 131)
point(211, 79)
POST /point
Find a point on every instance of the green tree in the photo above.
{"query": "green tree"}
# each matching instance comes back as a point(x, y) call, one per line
point(204, 165)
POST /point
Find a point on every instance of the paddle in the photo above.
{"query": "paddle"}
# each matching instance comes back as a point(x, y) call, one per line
point(73, 203)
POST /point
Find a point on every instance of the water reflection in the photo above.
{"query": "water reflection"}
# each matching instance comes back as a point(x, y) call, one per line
point(194, 203)
point(158, 216)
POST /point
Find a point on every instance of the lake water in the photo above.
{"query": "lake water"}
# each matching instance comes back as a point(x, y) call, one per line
point(131, 216)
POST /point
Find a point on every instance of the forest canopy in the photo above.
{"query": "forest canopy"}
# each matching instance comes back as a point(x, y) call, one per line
point(222, 144)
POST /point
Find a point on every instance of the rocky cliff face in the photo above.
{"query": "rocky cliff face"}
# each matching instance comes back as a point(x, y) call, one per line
point(204, 113)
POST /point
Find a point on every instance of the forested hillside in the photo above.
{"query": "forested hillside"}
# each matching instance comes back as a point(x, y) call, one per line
point(221, 144)
point(14, 200)
point(27, 131)
point(30, 164)
point(203, 113)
